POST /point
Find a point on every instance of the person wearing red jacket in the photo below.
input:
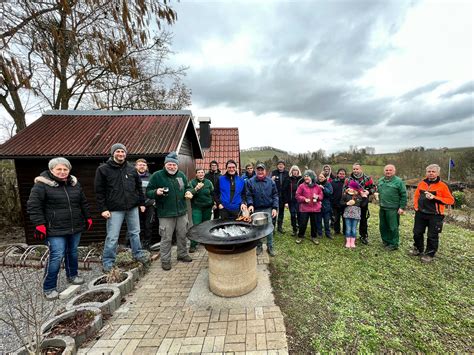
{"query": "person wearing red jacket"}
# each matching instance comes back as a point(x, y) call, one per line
point(431, 197)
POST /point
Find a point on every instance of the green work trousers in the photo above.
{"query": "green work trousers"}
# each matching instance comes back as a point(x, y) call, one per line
point(389, 221)
point(200, 215)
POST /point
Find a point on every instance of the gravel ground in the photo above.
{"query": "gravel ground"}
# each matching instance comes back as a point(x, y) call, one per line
point(29, 284)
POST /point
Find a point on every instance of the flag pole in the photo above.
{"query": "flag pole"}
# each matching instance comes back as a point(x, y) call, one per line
point(449, 169)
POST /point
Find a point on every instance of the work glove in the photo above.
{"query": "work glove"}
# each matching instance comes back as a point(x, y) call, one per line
point(89, 224)
point(40, 232)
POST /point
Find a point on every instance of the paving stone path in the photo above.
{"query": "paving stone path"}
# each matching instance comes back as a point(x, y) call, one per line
point(156, 319)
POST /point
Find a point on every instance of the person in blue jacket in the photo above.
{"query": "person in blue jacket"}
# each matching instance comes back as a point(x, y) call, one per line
point(262, 196)
point(229, 192)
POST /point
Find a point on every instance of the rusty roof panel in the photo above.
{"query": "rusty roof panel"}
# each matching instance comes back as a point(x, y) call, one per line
point(92, 133)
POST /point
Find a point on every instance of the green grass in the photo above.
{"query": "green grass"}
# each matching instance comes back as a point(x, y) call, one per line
point(371, 300)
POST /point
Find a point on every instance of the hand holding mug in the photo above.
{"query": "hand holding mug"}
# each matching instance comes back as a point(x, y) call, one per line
point(350, 203)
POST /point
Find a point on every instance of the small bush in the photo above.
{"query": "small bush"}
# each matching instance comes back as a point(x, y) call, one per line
point(459, 199)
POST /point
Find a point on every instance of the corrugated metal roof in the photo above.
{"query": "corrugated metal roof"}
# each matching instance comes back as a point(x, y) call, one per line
point(224, 146)
point(91, 133)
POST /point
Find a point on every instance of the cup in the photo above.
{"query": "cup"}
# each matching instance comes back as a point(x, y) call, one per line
point(166, 190)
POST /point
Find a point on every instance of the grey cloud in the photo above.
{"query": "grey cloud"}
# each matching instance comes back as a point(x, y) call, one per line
point(428, 115)
point(422, 90)
point(466, 88)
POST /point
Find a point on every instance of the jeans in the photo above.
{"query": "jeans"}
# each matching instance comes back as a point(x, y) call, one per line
point(168, 225)
point(351, 227)
point(326, 217)
point(61, 247)
point(114, 223)
point(269, 236)
point(294, 212)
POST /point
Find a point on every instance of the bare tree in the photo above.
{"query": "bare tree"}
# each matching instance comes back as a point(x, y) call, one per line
point(60, 49)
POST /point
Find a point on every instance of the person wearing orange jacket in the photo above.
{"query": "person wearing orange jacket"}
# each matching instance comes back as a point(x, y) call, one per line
point(431, 197)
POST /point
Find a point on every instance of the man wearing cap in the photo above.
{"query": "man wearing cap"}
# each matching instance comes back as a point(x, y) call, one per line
point(119, 197)
point(213, 175)
point(169, 187)
point(262, 196)
point(282, 180)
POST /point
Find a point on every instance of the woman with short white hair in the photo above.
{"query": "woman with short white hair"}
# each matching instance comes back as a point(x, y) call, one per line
point(59, 210)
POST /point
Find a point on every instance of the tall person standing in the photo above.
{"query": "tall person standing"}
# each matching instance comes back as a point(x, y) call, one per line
point(281, 178)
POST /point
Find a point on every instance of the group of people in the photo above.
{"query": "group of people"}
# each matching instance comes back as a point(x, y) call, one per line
point(58, 207)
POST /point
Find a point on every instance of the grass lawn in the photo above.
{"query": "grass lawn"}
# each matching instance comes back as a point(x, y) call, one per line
point(372, 300)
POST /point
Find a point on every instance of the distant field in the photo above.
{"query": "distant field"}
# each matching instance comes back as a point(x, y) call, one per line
point(259, 155)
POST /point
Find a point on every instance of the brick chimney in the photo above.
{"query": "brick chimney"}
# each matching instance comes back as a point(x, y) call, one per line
point(205, 132)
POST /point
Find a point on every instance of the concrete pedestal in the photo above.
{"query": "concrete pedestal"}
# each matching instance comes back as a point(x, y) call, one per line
point(232, 275)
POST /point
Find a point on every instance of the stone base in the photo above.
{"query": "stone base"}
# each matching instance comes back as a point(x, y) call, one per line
point(232, 275)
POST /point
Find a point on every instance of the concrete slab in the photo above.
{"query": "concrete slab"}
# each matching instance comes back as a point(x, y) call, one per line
point(201, 297)
point(68, 292)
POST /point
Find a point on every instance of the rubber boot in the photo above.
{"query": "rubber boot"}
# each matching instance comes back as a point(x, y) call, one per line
point(353, 242)
point(348, 242)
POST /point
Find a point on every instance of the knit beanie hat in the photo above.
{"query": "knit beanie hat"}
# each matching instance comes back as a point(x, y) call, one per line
point(172, 158)
point(311, 174)
point(117, 146)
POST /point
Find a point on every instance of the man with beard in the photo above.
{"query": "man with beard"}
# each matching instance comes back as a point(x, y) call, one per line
point(147, 218)
point(168, 187)
point(366, 184)
point(213, 175)
point(119, 196)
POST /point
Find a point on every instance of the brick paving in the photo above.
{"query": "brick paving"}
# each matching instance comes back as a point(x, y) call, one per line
point(156, 320)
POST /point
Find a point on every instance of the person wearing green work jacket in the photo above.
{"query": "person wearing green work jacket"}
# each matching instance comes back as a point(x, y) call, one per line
point(201, 202)
point(168, 187)
point(392, 195)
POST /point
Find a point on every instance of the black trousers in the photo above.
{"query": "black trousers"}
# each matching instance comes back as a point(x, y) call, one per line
point(304, 217)
point(281, 214)
point(147, 219)
point(363, 228)
point(434, 223)
point(337, 212)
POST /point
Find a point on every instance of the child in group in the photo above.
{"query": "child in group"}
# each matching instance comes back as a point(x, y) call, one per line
point(353, 198)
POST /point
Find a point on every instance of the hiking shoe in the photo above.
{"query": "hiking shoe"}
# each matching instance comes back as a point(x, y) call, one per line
point(280, 230)
point(364, 240)
point(259, 249)
point(51, 295)
point(426, 258)
point(414, 252)
point(299, 240)
point(271, 252)
point(315, 241)
point(192, 249)
point(166, 266)
point(185, 259)
point(391, 247)
point(329, 236)
point(76, 280)
point(295, 232)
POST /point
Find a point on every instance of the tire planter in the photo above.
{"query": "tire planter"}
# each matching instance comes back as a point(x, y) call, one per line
point(125, 286)
point(93, 328)
point(65, 342)
point(137, 273)
point(107, 307)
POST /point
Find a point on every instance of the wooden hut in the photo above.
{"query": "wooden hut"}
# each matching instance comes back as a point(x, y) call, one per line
point(85, 138)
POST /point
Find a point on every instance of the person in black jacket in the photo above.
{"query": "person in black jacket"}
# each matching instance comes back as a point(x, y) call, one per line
point(281, 178)
point(213, 175)
point(119, 195)
point(59, 210)
point(290, 197)
point(338, 209)
point(147, 218)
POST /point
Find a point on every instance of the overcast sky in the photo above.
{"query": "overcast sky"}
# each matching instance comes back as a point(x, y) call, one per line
point(307, 75)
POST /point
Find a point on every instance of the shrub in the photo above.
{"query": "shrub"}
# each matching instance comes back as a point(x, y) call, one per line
point(459, 199)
